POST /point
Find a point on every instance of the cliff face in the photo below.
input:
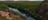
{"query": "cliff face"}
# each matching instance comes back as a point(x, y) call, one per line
point(43, 10)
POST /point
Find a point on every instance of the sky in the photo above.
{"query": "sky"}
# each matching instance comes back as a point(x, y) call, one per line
point(35, 0)
point(22, 0)
point(29, 0)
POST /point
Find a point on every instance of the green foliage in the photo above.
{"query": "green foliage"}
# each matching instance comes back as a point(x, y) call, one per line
point(3, 5)
point(28, 5)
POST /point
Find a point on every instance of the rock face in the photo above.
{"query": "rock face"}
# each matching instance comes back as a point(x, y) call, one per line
point(43, 10)
point(4, 13)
